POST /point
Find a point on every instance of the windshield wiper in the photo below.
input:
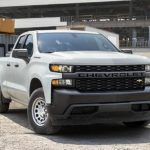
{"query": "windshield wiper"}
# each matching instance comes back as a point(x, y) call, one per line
point(48, 52)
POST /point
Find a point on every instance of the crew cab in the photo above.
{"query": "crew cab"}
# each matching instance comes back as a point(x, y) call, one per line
point(74, 78)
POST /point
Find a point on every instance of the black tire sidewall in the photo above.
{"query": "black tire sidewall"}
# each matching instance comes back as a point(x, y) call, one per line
point(4, 107)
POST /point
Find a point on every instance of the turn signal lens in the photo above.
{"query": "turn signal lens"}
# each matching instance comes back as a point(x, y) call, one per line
point(61, 68)
point(55, 68)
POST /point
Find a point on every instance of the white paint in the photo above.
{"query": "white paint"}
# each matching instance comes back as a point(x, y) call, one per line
point(38, 22)
point(9, 3)
point(113, 40)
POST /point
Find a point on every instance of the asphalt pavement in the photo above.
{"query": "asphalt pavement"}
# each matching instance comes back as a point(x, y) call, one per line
point(15, 134)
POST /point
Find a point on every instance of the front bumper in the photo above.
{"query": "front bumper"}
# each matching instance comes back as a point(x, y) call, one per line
point(71, 107)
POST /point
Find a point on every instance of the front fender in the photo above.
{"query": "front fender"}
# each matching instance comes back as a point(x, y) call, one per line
point(46, 84)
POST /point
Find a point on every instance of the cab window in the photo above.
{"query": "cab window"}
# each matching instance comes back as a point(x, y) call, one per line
point(20, 42)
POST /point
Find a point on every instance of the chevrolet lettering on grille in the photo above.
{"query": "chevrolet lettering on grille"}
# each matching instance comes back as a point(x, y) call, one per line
point(111, 75)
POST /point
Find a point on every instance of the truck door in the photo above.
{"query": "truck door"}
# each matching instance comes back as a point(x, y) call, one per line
point(4, 70)
point(11, 85)
point(20, 72)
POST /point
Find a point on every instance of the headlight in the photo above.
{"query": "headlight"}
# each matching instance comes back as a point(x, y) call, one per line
point(62, 83)
point(61, 68)
point(147, 68)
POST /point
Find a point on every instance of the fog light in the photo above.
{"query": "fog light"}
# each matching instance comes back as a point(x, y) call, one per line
point(55, 82)
point(62, 82)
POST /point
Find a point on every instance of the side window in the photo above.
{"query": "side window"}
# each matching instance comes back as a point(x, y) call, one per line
point(20, 42)
point(29, 45)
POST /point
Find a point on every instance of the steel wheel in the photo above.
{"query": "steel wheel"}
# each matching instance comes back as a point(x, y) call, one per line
point(38, 114)
point(39, 111)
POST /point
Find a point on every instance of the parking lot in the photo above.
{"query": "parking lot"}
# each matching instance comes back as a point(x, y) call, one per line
point(16, 134)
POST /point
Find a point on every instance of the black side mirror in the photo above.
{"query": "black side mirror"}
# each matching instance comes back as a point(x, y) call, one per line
point(127, 51)
point(20, 53)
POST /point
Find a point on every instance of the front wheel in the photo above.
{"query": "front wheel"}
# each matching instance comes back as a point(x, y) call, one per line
point(38, 116)
point(137, 124)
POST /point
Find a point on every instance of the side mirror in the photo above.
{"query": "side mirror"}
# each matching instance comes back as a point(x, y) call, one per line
point(127, 51)
point(20, 53)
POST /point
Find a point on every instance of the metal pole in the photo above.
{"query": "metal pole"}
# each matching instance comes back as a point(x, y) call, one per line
point(77, 13)
point(134, 37)
point(130, 9)
point(149, 37)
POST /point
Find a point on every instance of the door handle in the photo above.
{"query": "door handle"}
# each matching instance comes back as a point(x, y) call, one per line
point(8, 65)
point(16, 65)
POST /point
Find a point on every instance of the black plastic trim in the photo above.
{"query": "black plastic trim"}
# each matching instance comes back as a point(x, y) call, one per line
point(124, 74)
point(112, 106)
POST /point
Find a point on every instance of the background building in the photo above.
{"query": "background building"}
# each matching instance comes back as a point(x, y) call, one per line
point(129, 18)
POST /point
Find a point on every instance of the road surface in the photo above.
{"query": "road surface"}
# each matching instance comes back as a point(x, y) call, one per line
point(15, 134)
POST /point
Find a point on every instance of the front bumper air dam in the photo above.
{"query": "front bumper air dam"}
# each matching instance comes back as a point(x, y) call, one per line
point(71, 107)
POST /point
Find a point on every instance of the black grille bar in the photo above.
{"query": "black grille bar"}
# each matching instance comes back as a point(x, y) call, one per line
point(94, 68)
point(114, 84)
point(131, 74)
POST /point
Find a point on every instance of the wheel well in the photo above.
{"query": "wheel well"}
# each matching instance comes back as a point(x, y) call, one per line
point(35, 84)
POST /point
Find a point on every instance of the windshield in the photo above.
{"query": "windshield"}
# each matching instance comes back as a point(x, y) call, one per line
point(54, 42)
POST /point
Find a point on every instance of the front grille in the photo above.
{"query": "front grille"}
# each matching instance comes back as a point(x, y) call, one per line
point(82, 68)
point(113, 84)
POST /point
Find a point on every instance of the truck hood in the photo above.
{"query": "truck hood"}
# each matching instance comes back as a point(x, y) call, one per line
point(96, 57)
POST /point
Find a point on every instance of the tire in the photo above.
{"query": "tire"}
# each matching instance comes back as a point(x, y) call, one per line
point(38, 116)
point(4, 106)
point(137, 124)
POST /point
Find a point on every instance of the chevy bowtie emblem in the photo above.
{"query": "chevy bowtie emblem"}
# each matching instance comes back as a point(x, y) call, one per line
point(139, 81)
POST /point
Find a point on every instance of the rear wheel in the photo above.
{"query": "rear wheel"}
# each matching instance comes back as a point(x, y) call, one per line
point(38, 116)
point(4, 104)
point(137, 124)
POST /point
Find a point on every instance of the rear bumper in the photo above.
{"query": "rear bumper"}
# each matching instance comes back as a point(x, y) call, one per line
point(71, 107)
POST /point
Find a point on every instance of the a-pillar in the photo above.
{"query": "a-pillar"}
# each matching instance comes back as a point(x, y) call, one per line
point(134, 37)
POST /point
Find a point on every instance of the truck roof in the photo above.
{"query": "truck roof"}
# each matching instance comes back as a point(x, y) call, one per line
point(60, 31)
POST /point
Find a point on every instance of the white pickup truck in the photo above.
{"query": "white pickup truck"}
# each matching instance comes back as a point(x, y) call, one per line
point(74, 78)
